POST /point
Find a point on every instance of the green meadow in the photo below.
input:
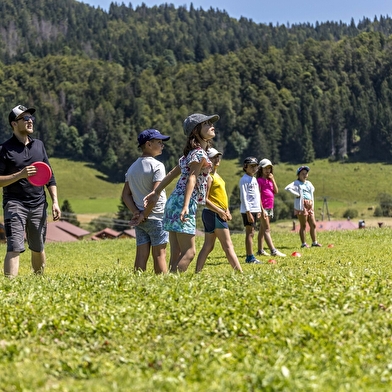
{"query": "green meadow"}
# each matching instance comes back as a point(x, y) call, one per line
point(343, 185)
point(319, 322)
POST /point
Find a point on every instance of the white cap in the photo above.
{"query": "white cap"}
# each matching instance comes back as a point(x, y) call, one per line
point(212, 152)
point(265, 163)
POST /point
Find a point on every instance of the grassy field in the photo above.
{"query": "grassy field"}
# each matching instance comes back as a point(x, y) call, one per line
point(344, 185)
point(320, 322)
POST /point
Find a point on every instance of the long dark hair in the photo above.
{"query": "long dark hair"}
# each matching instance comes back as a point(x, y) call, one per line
point(259, 172)
point(194, 140)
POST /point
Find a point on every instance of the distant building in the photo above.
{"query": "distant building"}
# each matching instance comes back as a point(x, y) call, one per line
point(106, 234)
point(129, 233)
point(62, 231)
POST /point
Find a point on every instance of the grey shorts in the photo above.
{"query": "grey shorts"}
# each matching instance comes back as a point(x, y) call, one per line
point(19, 220)
point(151, 231)
point(270, 212)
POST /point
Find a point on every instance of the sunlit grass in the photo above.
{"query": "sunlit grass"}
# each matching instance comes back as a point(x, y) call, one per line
point(320, 322)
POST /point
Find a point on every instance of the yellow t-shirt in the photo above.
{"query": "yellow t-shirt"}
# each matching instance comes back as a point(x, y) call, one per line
point(218, 195)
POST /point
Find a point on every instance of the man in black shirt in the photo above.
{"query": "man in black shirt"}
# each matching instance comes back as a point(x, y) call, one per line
point(24, 204)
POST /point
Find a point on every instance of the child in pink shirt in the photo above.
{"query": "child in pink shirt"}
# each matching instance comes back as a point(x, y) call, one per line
point(268, 188)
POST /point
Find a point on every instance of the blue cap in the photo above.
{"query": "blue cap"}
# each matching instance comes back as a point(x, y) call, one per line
point(150, 134)
point(302, 168)
point(195, 119)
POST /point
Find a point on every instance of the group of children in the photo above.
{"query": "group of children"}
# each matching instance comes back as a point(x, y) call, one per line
point(257, 193)
point(159, 220)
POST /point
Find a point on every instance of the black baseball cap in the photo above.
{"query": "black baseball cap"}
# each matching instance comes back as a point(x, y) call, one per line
point(17, 111)
point(251, 161)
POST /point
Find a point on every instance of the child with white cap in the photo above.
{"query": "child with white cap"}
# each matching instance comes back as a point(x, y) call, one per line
point(268, 189)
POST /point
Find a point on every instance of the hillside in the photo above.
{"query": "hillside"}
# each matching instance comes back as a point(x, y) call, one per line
point(293, 93)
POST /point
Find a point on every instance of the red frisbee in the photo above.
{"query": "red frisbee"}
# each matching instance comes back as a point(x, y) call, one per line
point(42, 176)
point(296, 254)
point(330, 246)
point(272, 261)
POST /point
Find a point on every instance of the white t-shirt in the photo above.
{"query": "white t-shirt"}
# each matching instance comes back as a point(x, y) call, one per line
point(141, 176)
point(249, 194)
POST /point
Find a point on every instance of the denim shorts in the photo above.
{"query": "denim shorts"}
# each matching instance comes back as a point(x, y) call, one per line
point(151, 231)
point(19, 219)
point(212, 221)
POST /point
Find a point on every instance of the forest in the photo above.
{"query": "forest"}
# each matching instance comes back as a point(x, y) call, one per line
point(292, 93)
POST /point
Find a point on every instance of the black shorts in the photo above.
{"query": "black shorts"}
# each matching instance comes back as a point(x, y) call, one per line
point(246, 222)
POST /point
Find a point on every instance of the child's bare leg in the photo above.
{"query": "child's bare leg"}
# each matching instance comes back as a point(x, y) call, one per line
point(312, 225)
point(249, 234)
point(260, 235)
point(267, 233)
point(302, 228)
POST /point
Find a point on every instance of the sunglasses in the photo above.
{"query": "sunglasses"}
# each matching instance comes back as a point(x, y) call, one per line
point(26, 118)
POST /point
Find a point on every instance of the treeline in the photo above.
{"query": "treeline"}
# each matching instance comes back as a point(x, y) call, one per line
point(290, 93)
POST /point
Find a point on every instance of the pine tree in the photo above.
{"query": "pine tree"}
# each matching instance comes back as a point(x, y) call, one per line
point(67, 214)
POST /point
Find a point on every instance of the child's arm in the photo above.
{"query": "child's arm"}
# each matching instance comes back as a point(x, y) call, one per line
point(194, 171)
point(130, 203)
point(153, 196)
point(147, 210)
point(292, 188)
point(312, 191)
point(272, 178)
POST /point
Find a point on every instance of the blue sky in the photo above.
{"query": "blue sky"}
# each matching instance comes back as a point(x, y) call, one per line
point(281, 11)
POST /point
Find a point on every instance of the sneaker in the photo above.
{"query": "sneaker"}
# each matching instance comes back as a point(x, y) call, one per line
point(277, 253)
point(262, 253)
point(252, 260)
point(305, 245)
point(317, 244)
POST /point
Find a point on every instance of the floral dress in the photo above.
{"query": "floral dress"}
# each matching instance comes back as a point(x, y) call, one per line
point(174, 204)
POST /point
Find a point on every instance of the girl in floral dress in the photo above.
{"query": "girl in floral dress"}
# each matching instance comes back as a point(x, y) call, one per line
point(180, 211)
point(191, 189)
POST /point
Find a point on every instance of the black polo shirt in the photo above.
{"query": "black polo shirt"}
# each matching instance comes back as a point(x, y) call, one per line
point(14, 156)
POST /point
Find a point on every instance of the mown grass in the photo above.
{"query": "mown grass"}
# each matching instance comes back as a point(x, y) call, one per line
point(320, 322)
